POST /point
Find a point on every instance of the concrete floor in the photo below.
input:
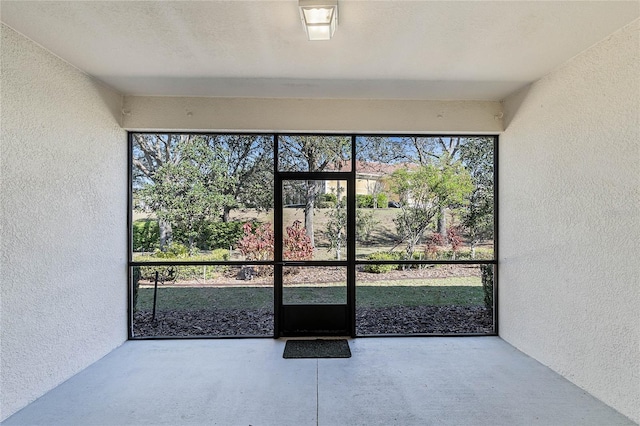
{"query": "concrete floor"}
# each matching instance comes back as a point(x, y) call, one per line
point(391, 381)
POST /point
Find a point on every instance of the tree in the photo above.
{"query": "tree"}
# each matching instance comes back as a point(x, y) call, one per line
point(188, 190)
point(477, 219)
point(336, 229)
point(248, 161)
point(313, 154)
point(150, 153)
point(442, 149)
point(240, 165)
point(423, 191)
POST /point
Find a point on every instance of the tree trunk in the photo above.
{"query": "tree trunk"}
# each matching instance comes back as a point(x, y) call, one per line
point(225, 214)
point(442, 222)
point(166, 234)
point(308, 210)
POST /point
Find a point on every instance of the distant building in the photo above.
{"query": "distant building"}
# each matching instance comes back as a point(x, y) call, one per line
point(371, 179)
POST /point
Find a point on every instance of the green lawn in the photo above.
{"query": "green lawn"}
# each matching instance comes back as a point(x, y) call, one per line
point(197, 298)
point(455, 292)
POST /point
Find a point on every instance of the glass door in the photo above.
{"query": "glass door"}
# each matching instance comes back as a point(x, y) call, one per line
point(314, 234)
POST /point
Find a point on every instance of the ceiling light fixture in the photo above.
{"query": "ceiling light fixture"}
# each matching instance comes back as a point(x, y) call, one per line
point(319, 18)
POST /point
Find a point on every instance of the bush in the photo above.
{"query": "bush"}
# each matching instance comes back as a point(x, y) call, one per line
point(432, 245)
point(487, 285)
point(325, 204)
point(482, 253)
point(257, 242)
point(222, 235)
point(146, 235)
point(455, 239)
point(297, 244)
point(328, 197)
point(365, 224)
point(213, 235)
point(384, 268)
point(364, 201)
point(173, 251)
point(382, 201)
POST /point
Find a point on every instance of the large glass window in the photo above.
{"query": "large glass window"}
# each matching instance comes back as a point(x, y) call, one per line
point(426, 203)
point(202, 216)
point(425, 198)
point(203, 232)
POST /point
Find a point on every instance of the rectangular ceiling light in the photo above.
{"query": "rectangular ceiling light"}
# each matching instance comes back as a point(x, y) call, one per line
point(319, 18)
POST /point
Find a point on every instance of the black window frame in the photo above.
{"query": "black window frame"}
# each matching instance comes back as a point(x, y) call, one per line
point(351, 243)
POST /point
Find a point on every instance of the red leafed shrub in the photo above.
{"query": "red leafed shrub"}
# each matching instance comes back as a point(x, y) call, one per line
point(434, 241)
point(257, 244)
point(297, 245)
point(455, 239)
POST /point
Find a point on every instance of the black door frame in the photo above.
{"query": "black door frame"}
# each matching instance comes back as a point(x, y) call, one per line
point(315, 319)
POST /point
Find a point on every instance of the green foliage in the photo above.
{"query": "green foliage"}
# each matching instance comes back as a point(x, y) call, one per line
point(467, 254)
point(188, 191)
point(173, 251)
point(328, 197)
point(212, 235)
point(364, 201)
point(184, 272)
point(382, 201)
point(248, 161)
point(369, 201)
point(424, 191)
point(477, 219)
point(325, 204)
point(336, 229)
point(221, 235)
point(384, 268)
point(487, 285)
point(146, 235)
point(365, 224)
point(313, 153)
point(177, 176)
point(327, 200)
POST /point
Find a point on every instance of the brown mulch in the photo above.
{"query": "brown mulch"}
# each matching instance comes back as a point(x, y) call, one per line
point(424, 320)
point(369, 321)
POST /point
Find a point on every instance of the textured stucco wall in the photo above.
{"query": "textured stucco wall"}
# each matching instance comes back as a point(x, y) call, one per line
point(63, 222)
point(327, 115)
point(570, 221)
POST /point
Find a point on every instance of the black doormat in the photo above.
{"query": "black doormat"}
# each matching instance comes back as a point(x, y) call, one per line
point(319, 348)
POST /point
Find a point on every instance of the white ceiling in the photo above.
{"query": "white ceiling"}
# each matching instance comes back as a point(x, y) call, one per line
point(440, 50)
